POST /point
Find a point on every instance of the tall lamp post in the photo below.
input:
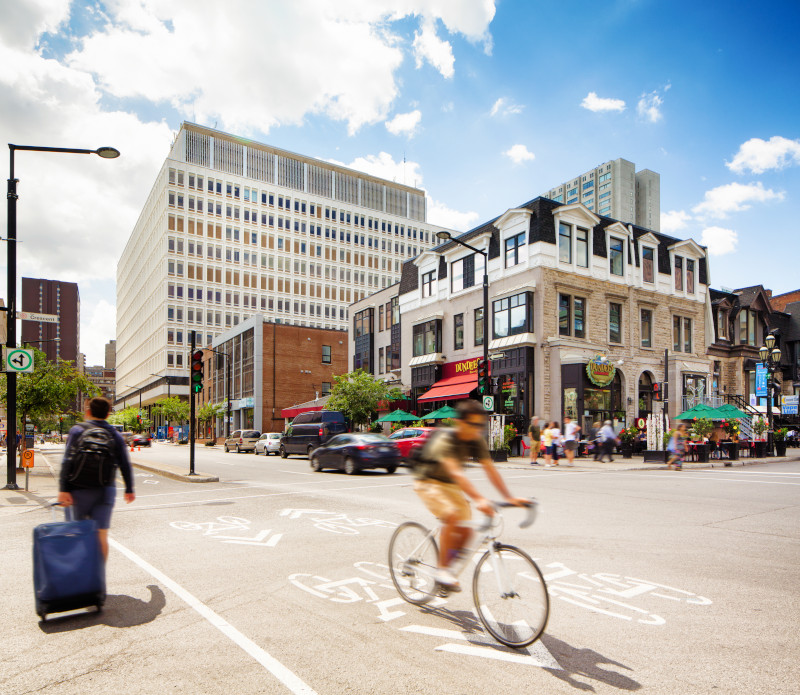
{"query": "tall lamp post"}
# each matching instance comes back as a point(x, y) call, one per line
point(11, 377)
point(128, 386)
point(227, 388)
point(771, 359)
point(446, 236)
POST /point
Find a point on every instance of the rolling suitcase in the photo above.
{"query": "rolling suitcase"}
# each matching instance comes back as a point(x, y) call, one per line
point(68, 567)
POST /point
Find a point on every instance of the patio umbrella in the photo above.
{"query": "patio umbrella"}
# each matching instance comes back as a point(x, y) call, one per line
point(728, 411)
point(701, 410)
point(442, 414)
point(398, 416)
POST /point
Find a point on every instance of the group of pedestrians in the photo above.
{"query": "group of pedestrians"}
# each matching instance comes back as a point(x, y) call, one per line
point(547, 439)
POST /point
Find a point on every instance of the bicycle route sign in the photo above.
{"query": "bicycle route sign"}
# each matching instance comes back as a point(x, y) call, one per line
point(18, 360)
point(488, 403)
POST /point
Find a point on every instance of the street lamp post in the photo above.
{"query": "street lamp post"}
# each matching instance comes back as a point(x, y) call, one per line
point(128, 386)
point(227, 387)
point(446, 236)
point(771, 359)
point(11, 335)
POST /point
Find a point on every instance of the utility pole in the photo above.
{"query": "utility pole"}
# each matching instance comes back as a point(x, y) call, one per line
point(665, 400)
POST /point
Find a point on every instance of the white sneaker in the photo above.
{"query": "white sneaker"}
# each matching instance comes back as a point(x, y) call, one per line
point(447, 579)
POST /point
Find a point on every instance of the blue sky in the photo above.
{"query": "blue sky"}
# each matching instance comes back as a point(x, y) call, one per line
point(489, 103)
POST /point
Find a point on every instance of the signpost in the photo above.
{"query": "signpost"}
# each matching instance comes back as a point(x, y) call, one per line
point(18, 360)
point(488, 404)
point(42, 318)
point(27, 464)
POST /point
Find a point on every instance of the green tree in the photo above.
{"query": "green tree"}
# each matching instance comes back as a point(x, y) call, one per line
point(210, 411)
point(128, 418)
point(172, 408)
point(357, 395)
point(49, 390)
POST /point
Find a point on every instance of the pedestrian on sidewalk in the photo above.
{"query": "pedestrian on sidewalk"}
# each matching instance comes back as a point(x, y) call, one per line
point(88, 471)
point(571, 434)
point(535, 433)
point(551, 441)
point(594, 440)
point(608, 440)
point(677, 448)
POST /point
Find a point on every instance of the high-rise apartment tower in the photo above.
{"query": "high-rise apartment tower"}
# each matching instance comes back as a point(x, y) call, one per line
point(57, 340)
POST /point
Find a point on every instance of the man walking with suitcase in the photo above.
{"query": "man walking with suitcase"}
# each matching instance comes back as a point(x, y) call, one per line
point(94, 451)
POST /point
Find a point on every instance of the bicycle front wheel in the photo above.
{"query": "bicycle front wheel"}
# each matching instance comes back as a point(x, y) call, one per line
point(510, 596)
point(413, 559)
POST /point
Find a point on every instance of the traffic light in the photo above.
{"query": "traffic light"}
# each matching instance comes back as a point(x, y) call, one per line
point(197, 371)
point(483, 377)
point(657, 392)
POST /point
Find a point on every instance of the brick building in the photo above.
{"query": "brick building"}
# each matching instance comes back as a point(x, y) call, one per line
point(272, 366)
point(779, 302)
point(57, 340)
point(581, 309)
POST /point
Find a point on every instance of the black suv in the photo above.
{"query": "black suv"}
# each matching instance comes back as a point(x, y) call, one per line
point(310, 430)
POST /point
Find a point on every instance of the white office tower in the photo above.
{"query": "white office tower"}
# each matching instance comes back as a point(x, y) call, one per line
point(234, 228)
point(615, 189)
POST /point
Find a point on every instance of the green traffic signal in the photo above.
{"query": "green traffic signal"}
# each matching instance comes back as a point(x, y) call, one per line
point(197, 371)
point(483, 377)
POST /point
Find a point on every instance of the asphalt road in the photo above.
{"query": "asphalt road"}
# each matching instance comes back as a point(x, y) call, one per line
point(274, 581)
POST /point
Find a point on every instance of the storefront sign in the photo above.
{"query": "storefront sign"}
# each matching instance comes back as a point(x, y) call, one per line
point(641, 423)
point(761, 380)
point(600, 371)
point(456, 368)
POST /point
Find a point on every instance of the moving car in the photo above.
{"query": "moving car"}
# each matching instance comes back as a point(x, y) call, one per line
point(141, 440)
point(242, 440)
point(354, 452)
point(268, 443)
point(410, 438)
point(310, 430)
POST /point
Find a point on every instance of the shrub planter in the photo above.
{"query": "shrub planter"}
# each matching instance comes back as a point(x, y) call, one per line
point(780, 448)
point(626, 450)
point(500, 455)
point(761, 449)
point(654, 456)
point(702, 453)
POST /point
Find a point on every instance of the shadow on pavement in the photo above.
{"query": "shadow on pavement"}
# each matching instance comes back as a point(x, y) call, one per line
point(586, 664)
point(118, 611)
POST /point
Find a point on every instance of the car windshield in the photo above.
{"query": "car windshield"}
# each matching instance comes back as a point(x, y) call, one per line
point(373, 438)
point(400, 434)
point(274, 436)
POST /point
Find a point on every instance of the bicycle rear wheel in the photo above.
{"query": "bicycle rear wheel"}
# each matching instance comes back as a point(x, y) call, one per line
point(510, 596)
point(413, 559)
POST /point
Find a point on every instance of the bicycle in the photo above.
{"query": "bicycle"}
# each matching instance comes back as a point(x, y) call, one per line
point(508, 589)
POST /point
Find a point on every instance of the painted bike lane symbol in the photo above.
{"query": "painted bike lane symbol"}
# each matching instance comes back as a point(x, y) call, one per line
point(221, 524)
point(336, 522)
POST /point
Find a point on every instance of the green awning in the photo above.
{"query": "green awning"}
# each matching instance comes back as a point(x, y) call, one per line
point(730, 411)
point(701, 410)
point(441, 414)
point(398, 416)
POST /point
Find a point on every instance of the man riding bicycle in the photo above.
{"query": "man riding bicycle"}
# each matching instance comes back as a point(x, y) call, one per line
point(442, 484)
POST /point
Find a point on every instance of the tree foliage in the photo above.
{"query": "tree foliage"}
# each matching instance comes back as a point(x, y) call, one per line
point(172, 409)
point(210, 411)
point(357, 395)
point(129, 420)
point(49, 390)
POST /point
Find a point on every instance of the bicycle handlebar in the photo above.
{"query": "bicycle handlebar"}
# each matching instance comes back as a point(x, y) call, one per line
point(531, 511)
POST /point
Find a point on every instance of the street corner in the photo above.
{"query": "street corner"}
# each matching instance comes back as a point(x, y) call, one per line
point(174, 472)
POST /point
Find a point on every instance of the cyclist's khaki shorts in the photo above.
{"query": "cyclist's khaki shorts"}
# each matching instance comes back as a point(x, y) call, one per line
point(443, 500)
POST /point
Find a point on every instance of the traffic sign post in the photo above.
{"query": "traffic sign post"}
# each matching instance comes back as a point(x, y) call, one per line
point(42, 318)
point(18, 360)
point(488, 404)
point(27, 464)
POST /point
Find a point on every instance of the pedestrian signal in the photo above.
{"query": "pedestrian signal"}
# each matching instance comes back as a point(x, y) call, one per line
point(657, 392)
point(483, 377)
point(197, 371)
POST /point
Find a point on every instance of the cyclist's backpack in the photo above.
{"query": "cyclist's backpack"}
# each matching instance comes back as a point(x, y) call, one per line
point(93, 457)
point(419, 459)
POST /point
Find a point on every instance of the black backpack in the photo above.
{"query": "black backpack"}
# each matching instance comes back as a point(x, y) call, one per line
point(93, 457)
point(419, 459)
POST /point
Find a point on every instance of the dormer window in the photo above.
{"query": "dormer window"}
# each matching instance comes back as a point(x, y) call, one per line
point(679, 273)
point(564, 243)
point(690, 276)
point(616, 256)
point(648, 265)
point(582, 247)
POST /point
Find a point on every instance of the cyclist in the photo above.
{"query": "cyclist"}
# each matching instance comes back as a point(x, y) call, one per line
point(443, 486)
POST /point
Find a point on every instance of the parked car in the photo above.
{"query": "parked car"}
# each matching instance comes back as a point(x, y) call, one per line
point(310, 430)
point(268, 443)
point(410, 438)
point(242, 440)
point(141, 440)
point(354, 452)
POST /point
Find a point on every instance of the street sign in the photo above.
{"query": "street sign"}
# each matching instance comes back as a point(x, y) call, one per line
point(18, 360)
point(27, 458)
point(488, 403)
point(497, 356)
point(32, 316)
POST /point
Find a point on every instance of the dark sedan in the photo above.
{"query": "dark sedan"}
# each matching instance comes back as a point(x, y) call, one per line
point(141, 440)
point(353, 452)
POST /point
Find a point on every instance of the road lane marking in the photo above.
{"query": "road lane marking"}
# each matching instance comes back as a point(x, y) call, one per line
point(270, 663)
point(692, 476)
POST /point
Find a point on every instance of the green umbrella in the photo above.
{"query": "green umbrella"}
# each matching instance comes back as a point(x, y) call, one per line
point(442, 414)
point(730, 411)
point(398, 416)
point(700, 410)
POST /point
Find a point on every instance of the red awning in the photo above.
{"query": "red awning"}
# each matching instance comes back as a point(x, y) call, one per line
point(450, 388)
point(294, 412)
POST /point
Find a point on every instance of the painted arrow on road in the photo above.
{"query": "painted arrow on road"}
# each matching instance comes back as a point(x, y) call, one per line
point(297, 513)
point(255, 540)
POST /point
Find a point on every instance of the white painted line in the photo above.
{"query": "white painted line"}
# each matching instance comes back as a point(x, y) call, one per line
point(717, 472)
point(294, 472)
point(683, 475)
point(277, 669)
point(489, 653)
point(434, 632)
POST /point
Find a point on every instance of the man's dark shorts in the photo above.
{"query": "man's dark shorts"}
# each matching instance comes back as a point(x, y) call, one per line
point(94, 503)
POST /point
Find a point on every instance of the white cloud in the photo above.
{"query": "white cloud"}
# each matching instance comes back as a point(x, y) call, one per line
point(428, 46)
point(757, 155)
point(505, 107)
point(519, 154)
point(384, 166)
point(439, 213)
point(649, 107)
point(719, 240)
point(97, 329)
point(592, 102)
point(734, 197)
point(23, 22)
point(404, 123)
point(674, 221)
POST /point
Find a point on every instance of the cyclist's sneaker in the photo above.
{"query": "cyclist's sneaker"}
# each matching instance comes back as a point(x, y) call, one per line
point(447, 579)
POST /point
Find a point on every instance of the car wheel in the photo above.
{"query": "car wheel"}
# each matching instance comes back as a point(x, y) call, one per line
point(350, 466)
point(315, 464)
point(310, 451)
point(283, 452)
point(391, 469)
point(226, 449)
point(238, 450)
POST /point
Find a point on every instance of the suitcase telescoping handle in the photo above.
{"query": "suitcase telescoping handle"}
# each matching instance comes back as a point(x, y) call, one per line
point(67, 511)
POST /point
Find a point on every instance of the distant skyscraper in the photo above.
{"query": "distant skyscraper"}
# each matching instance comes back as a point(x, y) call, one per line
point(111, 354)
point(57, 340)
point(615, 189)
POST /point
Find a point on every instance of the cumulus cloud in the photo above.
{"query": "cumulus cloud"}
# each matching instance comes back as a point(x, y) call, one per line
point(384, 166)
point(404, 123)
point(719, 240)
point(429, 47)
point(505, 107)
point(674, 221)
point(649, 107)
point(23, 22)
point(734, 197)
point(592, 102)
point(519, 154)
point(757, 155)
point(439, 213)
point(97, 328)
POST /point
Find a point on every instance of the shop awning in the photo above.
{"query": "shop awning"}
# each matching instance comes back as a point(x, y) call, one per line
point(452, 387)
point(307, 407)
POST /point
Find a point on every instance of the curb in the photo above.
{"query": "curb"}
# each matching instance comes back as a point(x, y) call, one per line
point(175, 473)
